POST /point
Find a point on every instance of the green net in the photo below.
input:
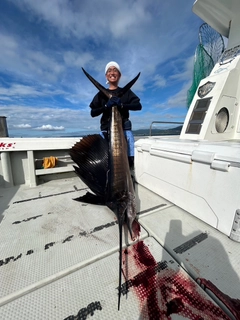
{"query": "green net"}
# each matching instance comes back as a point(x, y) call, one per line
point(207, 55)
point(203, 66)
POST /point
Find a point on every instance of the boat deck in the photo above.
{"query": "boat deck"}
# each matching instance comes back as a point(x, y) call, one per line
point(59, 259)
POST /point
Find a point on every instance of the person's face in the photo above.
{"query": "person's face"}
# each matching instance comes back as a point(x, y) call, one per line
point(113, 75)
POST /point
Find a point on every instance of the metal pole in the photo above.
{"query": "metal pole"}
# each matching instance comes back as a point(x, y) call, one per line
point(3, 127)
point(7, 169)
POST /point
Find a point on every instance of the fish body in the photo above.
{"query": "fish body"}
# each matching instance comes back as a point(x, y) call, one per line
point(121, 189)
point(104, 168)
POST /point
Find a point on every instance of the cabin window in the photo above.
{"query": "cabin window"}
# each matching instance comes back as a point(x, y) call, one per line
point(198, 116)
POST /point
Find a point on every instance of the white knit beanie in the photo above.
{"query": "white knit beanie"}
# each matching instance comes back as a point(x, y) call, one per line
point(112, 64)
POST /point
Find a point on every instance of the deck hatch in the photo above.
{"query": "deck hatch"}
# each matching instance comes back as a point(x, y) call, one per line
point(198, 115)
point(191, 243)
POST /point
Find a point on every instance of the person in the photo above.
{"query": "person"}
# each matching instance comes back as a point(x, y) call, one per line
point(100, 105)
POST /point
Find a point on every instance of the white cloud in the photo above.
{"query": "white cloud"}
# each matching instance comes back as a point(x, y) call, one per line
point(45, 44)
point(22, 126)
point(72, 58)
point(49, 127)
point(138, 34)
point(19, 89)
point(159, 81)
point(20, 59)
point(36, 116)
point(5, 98)
point(179, 99)
point(187, 70)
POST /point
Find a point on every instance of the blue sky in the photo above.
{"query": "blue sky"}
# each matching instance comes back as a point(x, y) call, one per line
point(44, 45)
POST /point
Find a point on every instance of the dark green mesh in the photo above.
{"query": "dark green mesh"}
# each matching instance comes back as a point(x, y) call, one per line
point(207, 55)
point(203, 65)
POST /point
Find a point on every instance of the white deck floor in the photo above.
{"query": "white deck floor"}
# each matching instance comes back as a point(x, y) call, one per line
point(59, 258)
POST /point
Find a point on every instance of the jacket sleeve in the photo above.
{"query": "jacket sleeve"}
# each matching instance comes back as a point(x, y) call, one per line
point(97, 106)
point(97, 111)
point(132, 102)
point(132, 106)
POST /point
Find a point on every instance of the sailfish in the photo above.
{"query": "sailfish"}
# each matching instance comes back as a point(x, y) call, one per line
point(102, 164)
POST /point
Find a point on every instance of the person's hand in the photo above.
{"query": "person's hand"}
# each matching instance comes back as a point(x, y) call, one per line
point(114, 101)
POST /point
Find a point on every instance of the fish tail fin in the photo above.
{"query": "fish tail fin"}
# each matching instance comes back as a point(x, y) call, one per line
point(120, 264)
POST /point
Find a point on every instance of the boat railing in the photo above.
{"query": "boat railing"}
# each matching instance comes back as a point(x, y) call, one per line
point(167, 131)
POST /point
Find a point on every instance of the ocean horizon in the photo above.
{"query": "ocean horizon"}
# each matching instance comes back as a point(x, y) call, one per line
point(61, 134)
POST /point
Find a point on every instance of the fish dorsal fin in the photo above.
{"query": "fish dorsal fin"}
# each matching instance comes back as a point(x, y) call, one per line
point(91, 157)
point(104, 90)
